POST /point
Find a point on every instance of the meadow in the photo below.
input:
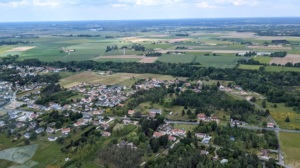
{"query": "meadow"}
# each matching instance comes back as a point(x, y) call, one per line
point(290, 147)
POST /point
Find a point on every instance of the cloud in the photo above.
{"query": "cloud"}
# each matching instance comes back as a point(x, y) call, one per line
point(45, 3)
point(118, 5)
point(205, 5)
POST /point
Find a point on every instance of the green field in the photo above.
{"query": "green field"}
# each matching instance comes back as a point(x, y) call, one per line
point(118, 59)
point(220, 61)
point(291, 148)
point(249, 67)
point(282, 68)
point(263, 59)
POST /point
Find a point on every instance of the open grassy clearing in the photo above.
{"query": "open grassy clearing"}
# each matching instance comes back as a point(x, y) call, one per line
point(282, 68)
point(290, 146)
point(118, 78)
point(249, 67)
point(118, 59)
point(263, 59)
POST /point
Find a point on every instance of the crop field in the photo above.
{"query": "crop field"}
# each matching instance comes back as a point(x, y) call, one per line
point(281, 68)
point(127, 79)
point(290, 146)
point(293, 58)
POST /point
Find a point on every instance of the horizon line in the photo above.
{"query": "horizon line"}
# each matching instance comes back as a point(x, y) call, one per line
point(155, 19)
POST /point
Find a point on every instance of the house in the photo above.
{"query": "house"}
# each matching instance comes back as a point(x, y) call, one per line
point(104, 126)
point(106, 134)
point(39, 130)
point(153, 112)
point(27, 135)
point(178, 132)
point(203, 152)
point(223, 161)
point(200, 135)
point(215, 118)
point(65, 130)
point(171, 138)
point(126, 121)
point(131, 112)
point(270, 125)
point(2, 123)
point(96, 122)
point(201, 116)
point(206, 139)
point(49, 130)
point(52, 138)
point(157, 134)
point(79, 123)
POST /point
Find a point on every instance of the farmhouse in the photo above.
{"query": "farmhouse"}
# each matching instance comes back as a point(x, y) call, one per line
point(65, 130)
point(201, 116)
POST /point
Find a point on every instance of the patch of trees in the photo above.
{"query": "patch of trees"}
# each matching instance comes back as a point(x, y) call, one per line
point(182, 34)
point(138, 47)
point(120, 157)
point(280, 42)
point(279, 54)
point(247, 54)
point(250, 138)
point(9, 59)
point(181, 48)
point(13, 42)
point(153, 54)
point(59, 119)
point(111, 48)
point(249, 62)
point(54, 93)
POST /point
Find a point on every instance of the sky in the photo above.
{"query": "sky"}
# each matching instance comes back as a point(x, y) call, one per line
point(68, 10)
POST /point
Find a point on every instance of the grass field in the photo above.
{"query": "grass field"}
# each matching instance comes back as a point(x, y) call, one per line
point(282, 68)
point(249, 67)
point(118, 78)
point(291, 148)
point(281, 112)
point(118, 59)
point(263, 59)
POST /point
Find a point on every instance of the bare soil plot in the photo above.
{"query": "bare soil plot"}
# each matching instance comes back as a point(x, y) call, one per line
point(137, 40)
point(148, 59)
point(271, 47)
point(178, 40)
point(289, 58)
point(239, 35)
point(21, 49)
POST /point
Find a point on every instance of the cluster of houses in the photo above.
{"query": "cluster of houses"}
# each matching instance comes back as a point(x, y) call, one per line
point(203, 117)
point(102, 95)
point(6, 92)
point(31, 70)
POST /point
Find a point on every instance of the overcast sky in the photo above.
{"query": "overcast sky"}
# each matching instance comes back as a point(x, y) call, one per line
point(63, 10)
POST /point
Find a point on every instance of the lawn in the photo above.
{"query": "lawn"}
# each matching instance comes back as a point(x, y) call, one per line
point(263, 59)
point(290, 146)
point(118, 59)
point(249, 67)
point(185, 127)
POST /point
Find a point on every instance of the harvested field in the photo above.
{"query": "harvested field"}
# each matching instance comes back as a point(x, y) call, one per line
point(159, 35)
point(21, 49)
point(179, 40)
point(270, 47)
point(289, 58)
point(239, 35)
point(148, 59)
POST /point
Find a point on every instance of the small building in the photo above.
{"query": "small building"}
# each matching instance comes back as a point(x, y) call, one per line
point(39, 130)
point(178, 132)
point(157, 134)
point(65, 130)
point(27, 135)
point(131, 112)
point(104, 126)
point(201, 116)
point(224, 161)
point(203, 152)
point(270, 125)
point(52, 138)
point(79, 123)
point(49, 130)
point(106, 134)
point(206, 139)
point(171, 138)
point(200, 135)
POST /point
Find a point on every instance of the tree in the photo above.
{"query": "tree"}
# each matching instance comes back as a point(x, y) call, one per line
point(253, 99)
point(61, 140)
point(189, 112)
point(26, 142)
point(264, 104)
point(267, 112)
point(275, 105)
point(182, 113)
point(33, 135)
point(287, 119)
point(218, 84)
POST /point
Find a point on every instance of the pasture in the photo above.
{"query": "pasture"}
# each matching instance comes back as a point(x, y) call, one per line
point(262, 59)
point(290, 146)
point(249, 67)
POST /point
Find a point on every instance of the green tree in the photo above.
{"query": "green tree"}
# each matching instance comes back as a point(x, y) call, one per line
point(182, 113)
point(189, 112)
point(287, 119)
point(264, 104)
